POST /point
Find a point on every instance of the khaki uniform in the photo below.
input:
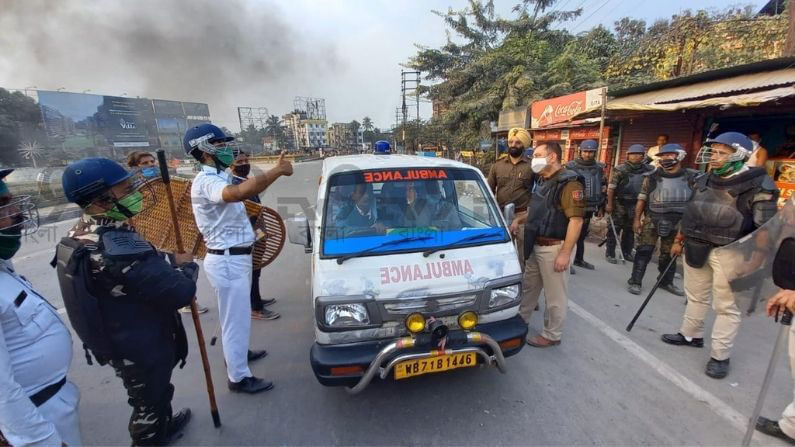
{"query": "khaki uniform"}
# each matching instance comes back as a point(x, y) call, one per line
point(787, 422)
point(539, 272)
point(512, 183)
point(709, 283)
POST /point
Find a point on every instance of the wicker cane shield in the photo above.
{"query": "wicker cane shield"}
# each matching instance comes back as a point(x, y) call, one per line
point(155, 225)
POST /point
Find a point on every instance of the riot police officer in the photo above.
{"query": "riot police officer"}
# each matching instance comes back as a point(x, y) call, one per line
point(622, 193)
point(39, 406)
point(593, 175)
point(729, 202)
point(122, 296)
point(666, 190)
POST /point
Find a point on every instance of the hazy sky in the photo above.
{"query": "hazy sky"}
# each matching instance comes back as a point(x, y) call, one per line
point(234, 53)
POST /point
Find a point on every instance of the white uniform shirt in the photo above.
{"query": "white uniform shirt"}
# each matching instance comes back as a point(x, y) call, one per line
point(222, 224)
point(35, 351)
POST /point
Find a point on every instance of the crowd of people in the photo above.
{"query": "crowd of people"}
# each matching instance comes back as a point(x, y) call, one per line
point(122, 296)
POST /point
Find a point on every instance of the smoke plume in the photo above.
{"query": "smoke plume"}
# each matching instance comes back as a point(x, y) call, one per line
point(227, 53)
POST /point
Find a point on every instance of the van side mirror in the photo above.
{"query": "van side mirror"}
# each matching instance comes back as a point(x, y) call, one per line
point(299, 232)
point(509, 213)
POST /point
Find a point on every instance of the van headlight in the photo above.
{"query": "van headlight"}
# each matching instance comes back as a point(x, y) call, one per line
point(347, 315)
point(503, 295)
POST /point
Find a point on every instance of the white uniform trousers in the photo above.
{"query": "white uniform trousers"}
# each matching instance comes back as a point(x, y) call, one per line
point(61, 410)
point(787, 422)
point(230, 276)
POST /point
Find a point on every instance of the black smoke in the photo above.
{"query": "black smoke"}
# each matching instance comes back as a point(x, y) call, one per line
point(227, 53)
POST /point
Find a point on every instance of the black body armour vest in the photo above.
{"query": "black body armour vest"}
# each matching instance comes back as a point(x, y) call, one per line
point(720, 211)
point(114, 327)
point(593, 179)
point(628, 189)
point(545, 215)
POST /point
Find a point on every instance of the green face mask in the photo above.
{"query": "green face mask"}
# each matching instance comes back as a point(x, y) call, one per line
point(226, 156)
point(133, 202)
point(9, 244)
point(729, 168)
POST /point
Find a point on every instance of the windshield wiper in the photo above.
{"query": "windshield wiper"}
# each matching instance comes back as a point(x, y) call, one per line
point(385, 244)
point(474, 237)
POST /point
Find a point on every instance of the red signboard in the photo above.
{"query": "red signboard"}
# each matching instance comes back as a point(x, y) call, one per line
point(561, 109)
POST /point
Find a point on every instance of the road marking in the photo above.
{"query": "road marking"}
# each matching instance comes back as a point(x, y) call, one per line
point(721, 408)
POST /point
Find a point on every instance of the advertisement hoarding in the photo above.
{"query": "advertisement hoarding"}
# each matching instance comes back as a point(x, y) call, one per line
point(561, 109)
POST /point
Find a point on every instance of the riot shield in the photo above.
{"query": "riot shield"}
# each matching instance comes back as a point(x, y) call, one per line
point(748, 262)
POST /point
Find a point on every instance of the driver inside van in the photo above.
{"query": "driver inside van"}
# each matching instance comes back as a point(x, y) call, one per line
point(358, 214)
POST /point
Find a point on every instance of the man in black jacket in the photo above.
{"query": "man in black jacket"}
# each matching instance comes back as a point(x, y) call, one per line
point(122, 296)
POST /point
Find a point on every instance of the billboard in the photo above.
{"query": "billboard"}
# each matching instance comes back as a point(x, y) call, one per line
point(561, 109)
point(81, 121)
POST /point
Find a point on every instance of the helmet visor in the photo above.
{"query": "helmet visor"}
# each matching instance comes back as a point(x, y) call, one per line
point(18, 215)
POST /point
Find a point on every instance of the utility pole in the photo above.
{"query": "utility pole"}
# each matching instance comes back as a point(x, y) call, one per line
point(410, 86)
point(789, 48)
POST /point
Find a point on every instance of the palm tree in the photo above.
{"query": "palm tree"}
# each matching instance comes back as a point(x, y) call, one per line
point(274, 128)
point(31, 150)
point(367, 125)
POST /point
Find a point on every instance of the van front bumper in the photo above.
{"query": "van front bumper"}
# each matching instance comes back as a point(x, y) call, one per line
point(377, 358)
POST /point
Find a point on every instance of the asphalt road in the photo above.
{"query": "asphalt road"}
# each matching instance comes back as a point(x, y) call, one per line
point(601, 386)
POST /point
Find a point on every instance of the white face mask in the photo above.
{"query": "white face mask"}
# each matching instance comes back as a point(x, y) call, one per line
point(538, 164)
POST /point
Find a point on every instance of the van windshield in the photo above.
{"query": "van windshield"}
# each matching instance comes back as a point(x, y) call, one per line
point(426, 207)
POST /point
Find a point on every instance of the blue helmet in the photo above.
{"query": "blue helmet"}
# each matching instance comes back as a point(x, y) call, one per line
point(202, 137)
point(85, 180)
point(636, 149)
point(382, 147)
point(589, 145)
point(671, 148)
point(733, 139)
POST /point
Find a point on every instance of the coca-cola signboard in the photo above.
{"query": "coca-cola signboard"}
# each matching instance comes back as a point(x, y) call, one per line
point(561, 109)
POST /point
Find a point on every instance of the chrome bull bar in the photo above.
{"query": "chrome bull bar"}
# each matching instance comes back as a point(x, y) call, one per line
point(497, 359)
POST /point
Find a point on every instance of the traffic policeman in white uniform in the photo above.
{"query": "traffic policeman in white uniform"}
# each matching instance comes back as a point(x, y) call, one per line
point(221, 218)
point(38, 406)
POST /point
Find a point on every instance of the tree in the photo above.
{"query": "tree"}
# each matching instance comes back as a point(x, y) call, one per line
point(20, 124)
point(499, 63)
point(275, 129)
point(367, 125)
point(354, 125)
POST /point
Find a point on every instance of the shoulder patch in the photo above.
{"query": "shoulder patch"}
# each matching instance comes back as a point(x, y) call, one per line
point(577, 195)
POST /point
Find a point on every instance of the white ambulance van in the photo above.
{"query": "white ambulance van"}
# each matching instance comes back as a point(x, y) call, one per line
point(413, 270)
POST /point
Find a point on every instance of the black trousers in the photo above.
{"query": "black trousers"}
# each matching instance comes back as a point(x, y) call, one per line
point(256, 298)
point(149, 392)
point(586, 221)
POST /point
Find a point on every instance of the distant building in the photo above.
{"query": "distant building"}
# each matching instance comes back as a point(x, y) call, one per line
point(340, 136)
point(305, 133)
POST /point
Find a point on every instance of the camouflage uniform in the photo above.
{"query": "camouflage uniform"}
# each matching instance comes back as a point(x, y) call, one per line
point(624, 206)
point(144, 357)
point(652, 231)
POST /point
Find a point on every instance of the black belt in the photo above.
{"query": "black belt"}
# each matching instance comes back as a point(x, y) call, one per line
point(232, 251)
point(47, 392)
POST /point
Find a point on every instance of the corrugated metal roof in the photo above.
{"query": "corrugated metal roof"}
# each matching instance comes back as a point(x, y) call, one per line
point(719, 87)
point(738, 100)
point(764, 66)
